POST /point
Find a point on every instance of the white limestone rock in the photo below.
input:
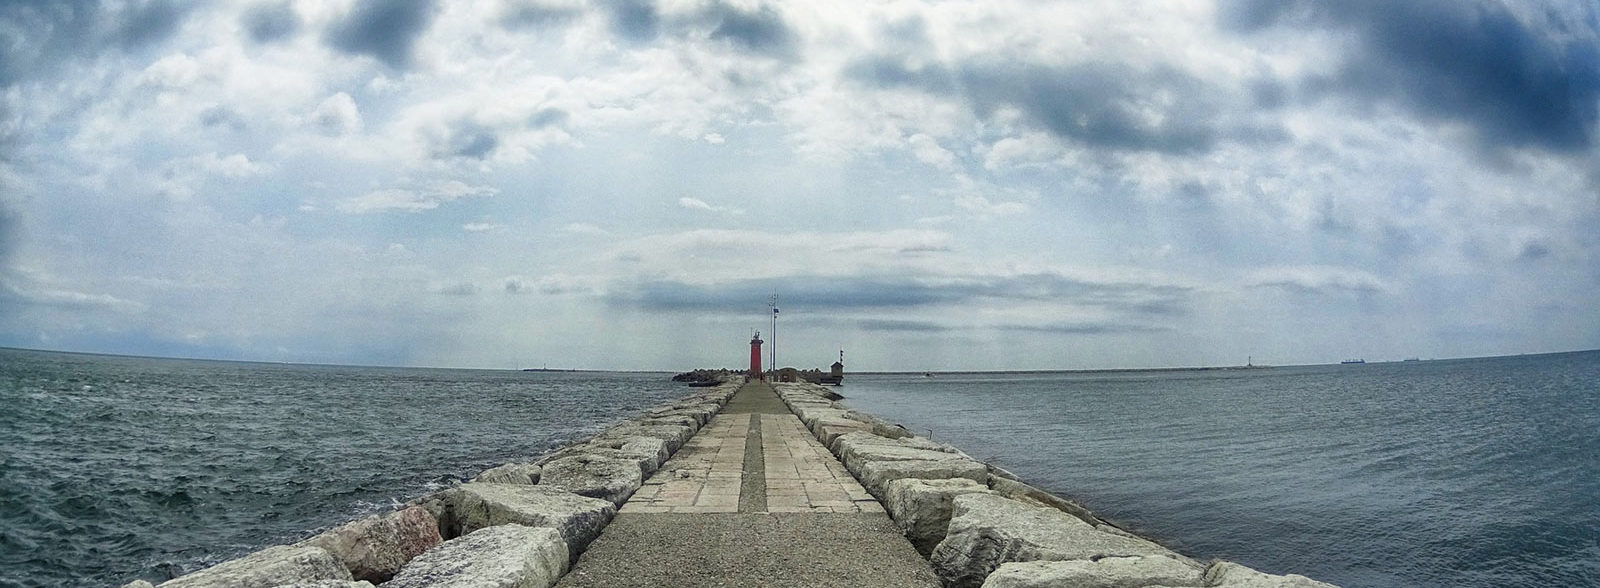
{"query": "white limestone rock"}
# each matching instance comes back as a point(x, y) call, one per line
point(1019, 491)
point(1231, 575)
point(987, 530)
point(138, 584)
point(511, 473)
point(507, 556)
point(875, 476)
point(374, 548)
point(1106, 572)
point(598, 476)
point(273, 566)
point(473, 506)
point(329, 584)
point(922, 507)
point(828, 429)
point(673, 435)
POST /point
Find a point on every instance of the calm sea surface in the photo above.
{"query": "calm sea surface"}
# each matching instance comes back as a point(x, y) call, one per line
point(1462, 473)
point(116, 468)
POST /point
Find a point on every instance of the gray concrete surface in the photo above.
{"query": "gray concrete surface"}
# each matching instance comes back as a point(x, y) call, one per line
point(822, 550)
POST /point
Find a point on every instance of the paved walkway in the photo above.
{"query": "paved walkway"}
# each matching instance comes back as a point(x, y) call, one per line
point(753, 499)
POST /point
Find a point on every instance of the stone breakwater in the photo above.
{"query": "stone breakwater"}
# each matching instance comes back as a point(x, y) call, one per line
point(525, 524)
point(520, 524)
point(979, 525)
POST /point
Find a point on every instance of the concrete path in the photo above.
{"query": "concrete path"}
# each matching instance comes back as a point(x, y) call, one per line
point(752, 500)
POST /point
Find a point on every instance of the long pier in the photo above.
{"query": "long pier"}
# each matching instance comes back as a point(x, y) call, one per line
point(744, 484)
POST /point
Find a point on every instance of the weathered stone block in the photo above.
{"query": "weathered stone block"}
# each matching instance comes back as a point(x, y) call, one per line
point(273, 566)
point(857, 449)
point(876, 475)
point(1231, 575)
point(922, 507)
point(682, 420)
point(1108, 572)
point(138, 584)
point(329, 584)
point(673, 435)
point(374, 548)
point(829, 429)
point(474, 506)
point(648, 452)
point(610, 478)
point(988, 530)
point(507, 556)
point(511, 473)
point(1021, 492)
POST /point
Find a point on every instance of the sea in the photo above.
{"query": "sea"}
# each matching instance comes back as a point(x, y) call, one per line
point(121, 468)
point(1470, 473)
point(1462, 473)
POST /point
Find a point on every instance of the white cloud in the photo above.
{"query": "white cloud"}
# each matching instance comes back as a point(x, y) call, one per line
point(698, 204)
point(337, 115)
point(405, 200)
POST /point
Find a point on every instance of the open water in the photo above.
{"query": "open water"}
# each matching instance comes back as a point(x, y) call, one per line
point(1461, 473)
point(1468, 473)
point(117, 468)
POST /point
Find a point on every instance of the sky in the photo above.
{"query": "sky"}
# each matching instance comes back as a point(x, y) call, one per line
point(940, 185)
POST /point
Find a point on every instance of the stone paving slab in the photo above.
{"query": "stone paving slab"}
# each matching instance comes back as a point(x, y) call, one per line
point(703, 476)
point(814, 525)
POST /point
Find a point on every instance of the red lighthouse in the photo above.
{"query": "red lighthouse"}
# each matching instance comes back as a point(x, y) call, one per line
point(755, 358)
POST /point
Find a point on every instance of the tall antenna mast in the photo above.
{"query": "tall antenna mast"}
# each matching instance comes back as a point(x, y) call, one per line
point(773, 302)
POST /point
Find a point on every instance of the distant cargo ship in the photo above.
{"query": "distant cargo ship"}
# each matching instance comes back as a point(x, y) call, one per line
point(1353, 361)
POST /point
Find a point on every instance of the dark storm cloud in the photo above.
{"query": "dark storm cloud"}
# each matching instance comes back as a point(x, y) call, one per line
point(761, 30)
point(873, 292)
point(547, 117)
point(527, 13)
point(1533, 82)
point(1101, 105)
point(37, 38)
point(9, 225)
point(1084, 328)
point(383, 29)
point(271, 21)
point(635, 20)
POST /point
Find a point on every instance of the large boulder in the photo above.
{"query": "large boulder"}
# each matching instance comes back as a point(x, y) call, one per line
point(507, 556)
point(880, 427)
point(855, 449)
point(875, 476)
point(374, 548)
point(273, 566)
point(1231, 575)
point(682, 420)
point(987, 530)
point(648, 453)
point(828, 429)
point(597, 476)
point(673, 435)
point(922, 507)
point(329, 584)
point(473, 506)
point(511, 473)
point(1106, 572)
point(1021, 492)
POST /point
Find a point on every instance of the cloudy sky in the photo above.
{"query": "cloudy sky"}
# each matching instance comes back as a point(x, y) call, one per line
point(1000, 184)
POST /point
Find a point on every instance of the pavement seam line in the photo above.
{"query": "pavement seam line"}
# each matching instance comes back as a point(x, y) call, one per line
point(753, 478)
